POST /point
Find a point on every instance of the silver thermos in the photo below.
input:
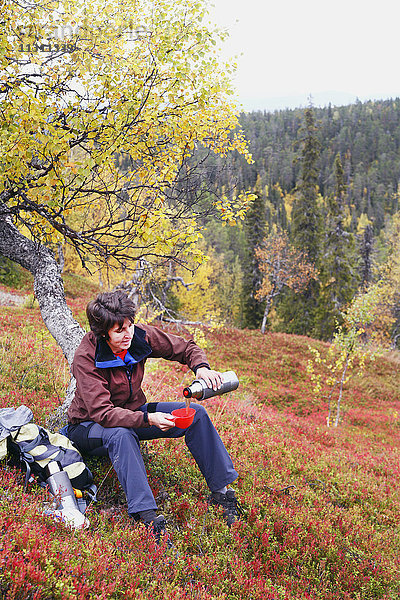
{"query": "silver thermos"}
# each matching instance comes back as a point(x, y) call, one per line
point(198, 388)
point(60, 486)
point(65, 505)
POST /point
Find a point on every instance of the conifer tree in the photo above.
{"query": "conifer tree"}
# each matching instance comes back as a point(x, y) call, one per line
point(298, 310)
point(254, 230)
point(367, 244)
point(338, 276)
point(306, 214)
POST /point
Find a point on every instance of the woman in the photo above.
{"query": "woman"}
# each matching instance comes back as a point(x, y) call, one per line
point(109, 414)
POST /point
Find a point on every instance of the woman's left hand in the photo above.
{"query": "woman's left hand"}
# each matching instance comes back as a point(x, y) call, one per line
point(163, 421)
point(212, 378)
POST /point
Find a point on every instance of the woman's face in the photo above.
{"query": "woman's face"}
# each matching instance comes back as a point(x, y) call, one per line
point(119, 338)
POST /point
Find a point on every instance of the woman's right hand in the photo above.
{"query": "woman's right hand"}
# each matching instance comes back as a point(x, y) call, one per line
point(163, 421)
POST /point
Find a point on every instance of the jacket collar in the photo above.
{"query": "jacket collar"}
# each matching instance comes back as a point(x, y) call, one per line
point(138, 350)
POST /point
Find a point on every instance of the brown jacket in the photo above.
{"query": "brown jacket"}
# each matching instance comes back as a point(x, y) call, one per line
point(104, 391)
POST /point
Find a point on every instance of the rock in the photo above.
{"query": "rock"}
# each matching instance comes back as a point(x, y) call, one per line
point(8, 299)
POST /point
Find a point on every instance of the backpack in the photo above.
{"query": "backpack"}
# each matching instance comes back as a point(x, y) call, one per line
point(31, 447)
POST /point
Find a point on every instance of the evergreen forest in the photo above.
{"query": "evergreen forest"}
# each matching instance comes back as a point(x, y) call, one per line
point(327, 178)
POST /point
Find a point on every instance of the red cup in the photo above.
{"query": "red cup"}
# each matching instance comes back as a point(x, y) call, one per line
point(183, 417)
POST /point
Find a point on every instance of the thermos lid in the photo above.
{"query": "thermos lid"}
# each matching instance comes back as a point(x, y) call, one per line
point(53, 467)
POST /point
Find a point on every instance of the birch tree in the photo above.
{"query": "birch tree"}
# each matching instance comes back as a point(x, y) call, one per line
point(80, 84)
point(281, 265)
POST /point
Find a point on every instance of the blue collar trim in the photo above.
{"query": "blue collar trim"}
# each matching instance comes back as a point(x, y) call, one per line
point(138, 351)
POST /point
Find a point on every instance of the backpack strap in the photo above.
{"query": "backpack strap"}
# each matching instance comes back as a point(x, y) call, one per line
point(91, 491)
point(27, 474)
point(49, 452)
point(28, 446)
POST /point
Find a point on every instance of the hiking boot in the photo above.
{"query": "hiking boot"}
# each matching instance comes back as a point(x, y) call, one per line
point(158, 528)
point(155, 525)
point(231, 507)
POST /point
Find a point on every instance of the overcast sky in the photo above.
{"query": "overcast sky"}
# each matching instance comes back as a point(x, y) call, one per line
point(336, 51)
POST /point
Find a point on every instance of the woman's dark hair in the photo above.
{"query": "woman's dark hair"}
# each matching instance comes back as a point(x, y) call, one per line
point(107, 310)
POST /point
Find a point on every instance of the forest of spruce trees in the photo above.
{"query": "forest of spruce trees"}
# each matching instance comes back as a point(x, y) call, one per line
point(329, 177)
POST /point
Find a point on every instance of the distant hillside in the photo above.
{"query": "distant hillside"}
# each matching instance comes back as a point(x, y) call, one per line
point(366, 135)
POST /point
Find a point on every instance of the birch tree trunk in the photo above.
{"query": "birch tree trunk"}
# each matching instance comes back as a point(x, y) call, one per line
point(266, 313)
point(275, 290)
point(342, 380)
point(48, 288)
